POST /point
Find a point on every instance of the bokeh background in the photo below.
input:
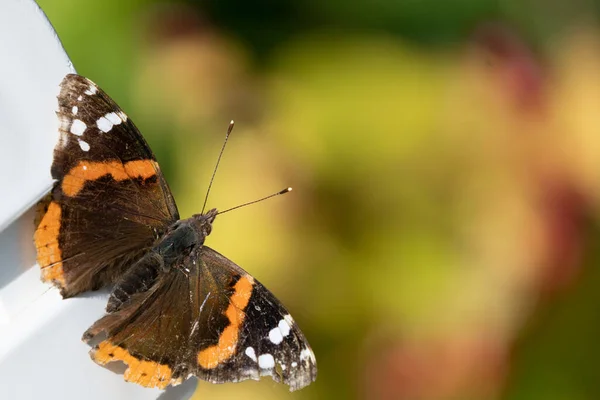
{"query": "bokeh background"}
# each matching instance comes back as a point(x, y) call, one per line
point(443, 237)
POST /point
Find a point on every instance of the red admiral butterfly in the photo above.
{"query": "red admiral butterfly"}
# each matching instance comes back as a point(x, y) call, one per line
point(178, 308)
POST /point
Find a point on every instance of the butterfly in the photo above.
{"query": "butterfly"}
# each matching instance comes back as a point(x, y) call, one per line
point(177, 308)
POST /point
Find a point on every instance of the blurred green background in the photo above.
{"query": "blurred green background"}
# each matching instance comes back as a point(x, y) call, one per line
point(442, 238)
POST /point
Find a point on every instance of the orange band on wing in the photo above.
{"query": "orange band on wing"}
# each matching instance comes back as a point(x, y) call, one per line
point(49, 255)
point(211, 357)
point(89, 171)
point(142, 372)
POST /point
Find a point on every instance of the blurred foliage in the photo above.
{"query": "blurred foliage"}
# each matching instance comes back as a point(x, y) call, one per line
point(441, 241)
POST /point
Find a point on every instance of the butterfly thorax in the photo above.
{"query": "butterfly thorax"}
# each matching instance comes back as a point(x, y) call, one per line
point(182, 237)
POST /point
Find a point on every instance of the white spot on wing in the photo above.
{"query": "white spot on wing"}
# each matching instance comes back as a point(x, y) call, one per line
point(250, 353)
point(80, 98)
point(91, 90)
point(266, 361)
point(306, 354)
point(78, 127)
point(284, 327)
point(113, 118)
point(85, 167)
point(85, 146)
point(294, 364)
point(104, 125)
point(275, 336)
point(74, 110)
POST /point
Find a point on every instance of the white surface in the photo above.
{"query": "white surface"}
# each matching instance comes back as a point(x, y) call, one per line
point(41, 353)
point(32, 65)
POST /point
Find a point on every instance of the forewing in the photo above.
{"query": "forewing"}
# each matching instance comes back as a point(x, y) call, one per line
point(268, 341)
point(110, 201)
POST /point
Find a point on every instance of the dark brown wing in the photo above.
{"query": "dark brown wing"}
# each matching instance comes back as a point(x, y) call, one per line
point(207, 318)
point(110, 201)
point(268, 343)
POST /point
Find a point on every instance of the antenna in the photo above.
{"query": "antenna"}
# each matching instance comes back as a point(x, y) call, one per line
point(284, 191)
point(229, 129)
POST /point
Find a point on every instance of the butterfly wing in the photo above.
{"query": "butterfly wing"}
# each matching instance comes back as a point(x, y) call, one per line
point(207, 318)
point(268, 342)
point(110, 201)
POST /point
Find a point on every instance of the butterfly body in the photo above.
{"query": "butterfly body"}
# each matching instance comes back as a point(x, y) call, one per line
point(171, 252)
point(177, 308)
